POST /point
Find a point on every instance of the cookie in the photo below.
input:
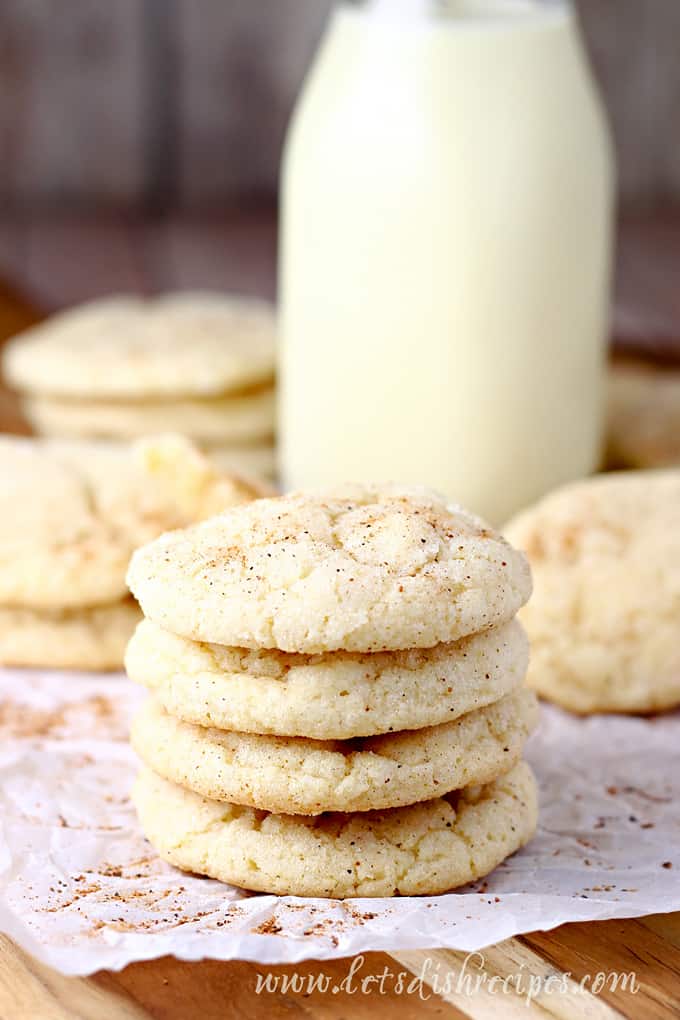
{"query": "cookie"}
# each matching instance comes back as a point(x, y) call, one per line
point(71, 513)
point(294, 775)
point(359, 570)
point(92, 639)
point(257, 460)
point(186, 344)
point(242, 417)
point(603, 620)
point(327, 697)
point(643, 423)
point(423, 849)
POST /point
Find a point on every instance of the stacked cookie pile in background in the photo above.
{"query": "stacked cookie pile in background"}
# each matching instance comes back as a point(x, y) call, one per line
point(199, 364)
point(71, 514)
point(337, 705)
point(643, 412)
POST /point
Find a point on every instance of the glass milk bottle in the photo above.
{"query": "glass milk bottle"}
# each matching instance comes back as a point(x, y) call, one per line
point(445, 253)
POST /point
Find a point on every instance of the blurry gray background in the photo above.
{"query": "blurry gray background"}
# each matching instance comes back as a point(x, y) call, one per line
point(157, 105)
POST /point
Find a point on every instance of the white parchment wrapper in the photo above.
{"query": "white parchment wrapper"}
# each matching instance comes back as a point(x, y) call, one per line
point(81, 889)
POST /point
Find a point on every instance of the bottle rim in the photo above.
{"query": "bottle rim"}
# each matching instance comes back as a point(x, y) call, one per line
point(461, 12)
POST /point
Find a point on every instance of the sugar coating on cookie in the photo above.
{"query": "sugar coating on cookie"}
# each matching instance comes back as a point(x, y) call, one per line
point(86, 638)
point(295, 775)
point(72, 512)
point(192, 343)
point(240, 417)
point(338, 695)
point(363, 569)
point(426, 848)
point(603, 619)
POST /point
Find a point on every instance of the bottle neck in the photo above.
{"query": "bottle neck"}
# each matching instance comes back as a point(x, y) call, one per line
point(402, 9)
point(459, 9)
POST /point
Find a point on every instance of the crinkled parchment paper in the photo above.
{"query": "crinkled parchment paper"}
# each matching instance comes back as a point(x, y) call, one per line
point(81, 889)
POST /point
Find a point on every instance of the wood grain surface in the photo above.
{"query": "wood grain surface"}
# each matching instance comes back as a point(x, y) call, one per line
point(544, 974)
point(555, 972)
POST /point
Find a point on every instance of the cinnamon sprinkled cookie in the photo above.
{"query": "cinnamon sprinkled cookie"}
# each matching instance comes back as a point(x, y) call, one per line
point(337, 705)
point(295, 775)
point(423, 849)
point(364, 569)
point(332, 696)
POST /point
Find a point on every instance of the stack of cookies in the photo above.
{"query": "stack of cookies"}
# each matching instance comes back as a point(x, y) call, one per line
point(337, 704)
point(71, 513)
point(199, 364)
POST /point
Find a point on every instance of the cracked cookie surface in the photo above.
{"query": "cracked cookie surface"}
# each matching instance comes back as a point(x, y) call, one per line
point(73, 511)
point(332, 696)
point(362, 569)
point(191, 343)
point(294, 775)
point(603, 620)
point(426, 848)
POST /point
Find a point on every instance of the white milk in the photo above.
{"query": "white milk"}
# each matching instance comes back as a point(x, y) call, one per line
point(445, 256)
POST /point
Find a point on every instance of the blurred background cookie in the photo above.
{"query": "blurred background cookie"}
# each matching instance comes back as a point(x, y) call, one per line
point(71, 514)
point(643, 427)
point(90, 637)
point(241, 417)
point(603, 619)
point(200, 364)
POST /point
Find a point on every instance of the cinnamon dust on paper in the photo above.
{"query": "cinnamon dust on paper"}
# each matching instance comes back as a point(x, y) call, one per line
point(93, 716)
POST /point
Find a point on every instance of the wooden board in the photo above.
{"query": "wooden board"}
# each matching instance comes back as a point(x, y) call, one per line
point(551, 967)
point(551, 964)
